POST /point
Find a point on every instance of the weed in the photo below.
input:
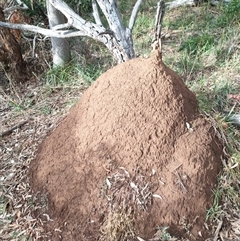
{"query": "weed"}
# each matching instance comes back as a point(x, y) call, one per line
point(90, 72)
point(212, 92)
point(46, 110)
point(61, 75)
point(17, 106)
point(187, 65)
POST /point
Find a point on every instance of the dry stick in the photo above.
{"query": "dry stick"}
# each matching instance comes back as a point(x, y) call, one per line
point(180, 182)
point(10, 130)
point(158, 26)
point(217, 230)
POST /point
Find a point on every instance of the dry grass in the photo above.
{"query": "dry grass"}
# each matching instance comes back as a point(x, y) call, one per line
point(118, 226)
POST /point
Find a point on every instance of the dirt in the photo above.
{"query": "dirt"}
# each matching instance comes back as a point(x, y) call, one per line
point(136, 142)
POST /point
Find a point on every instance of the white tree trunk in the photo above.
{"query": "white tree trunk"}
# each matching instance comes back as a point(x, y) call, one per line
point(60, 46)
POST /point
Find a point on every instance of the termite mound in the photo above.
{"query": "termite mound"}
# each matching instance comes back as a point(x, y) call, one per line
point(134, 139)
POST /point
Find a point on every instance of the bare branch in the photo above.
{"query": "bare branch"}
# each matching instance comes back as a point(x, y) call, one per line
point(88, 28)
point(178, 3)
point(46, 32)
point(96, 12)
point(13, 8)
point(62, 26)
point(118, 43)
point(134, 14)
point(85, 28)
point(121, 33)
point(78, 22)
point(22, 4)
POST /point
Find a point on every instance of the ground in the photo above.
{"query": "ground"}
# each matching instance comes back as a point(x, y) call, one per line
point(208, 65)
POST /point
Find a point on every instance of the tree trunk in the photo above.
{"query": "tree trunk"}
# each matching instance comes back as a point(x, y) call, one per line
point(60, 46)
point(11, 53)
point(122, 34)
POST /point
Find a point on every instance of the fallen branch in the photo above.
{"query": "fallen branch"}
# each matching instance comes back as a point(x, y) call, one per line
point(10, 130)
point(179, 3)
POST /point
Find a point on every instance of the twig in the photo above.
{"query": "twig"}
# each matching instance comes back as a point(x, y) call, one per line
point(180, 182)
point(21, 5)
point(34, 45)
point(217, 230)
point(10, 130)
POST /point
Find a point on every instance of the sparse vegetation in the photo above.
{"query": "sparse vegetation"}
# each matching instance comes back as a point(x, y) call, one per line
point(201, 44)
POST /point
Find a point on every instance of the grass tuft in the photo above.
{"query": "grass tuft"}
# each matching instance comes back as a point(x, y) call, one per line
point(230, 14)
point(118, 226)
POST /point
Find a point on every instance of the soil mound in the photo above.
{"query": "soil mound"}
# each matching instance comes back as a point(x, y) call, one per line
point(133, 155)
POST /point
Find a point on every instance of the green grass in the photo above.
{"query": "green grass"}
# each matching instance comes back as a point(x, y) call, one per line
point(230, 14)
point(143, 34)
point(163, 234)
point(215, 211)
point(198, 44)
point(68, 75)
point(212, 96)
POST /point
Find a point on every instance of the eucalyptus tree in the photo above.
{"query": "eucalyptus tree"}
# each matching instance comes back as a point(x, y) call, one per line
point(65, 23)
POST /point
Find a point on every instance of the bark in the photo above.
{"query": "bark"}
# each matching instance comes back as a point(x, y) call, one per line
point(11, 52)
point(17, 16)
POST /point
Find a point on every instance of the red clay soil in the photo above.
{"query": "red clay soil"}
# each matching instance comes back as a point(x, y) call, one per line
point(135, 140)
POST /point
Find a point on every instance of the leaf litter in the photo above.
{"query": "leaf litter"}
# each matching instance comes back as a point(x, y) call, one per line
point(22, 129)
